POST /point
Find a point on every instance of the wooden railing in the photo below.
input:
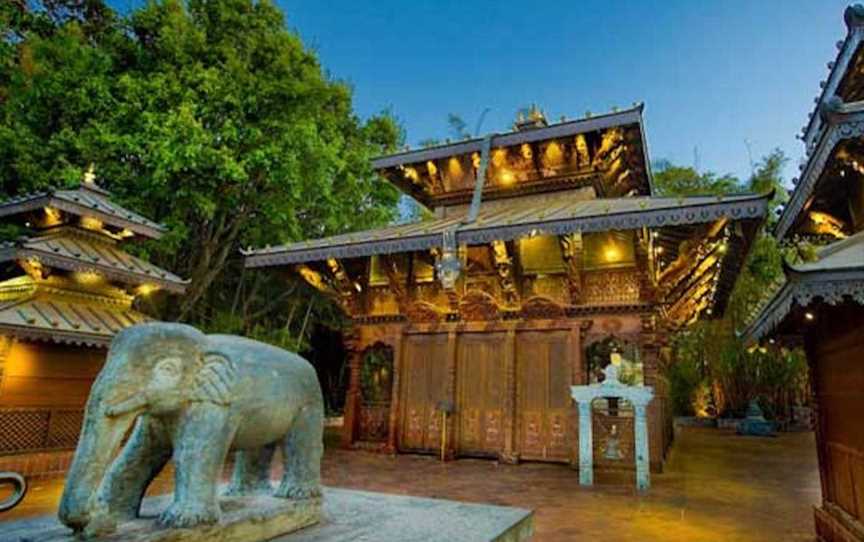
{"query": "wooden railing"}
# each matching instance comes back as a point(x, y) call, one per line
point(34, 429)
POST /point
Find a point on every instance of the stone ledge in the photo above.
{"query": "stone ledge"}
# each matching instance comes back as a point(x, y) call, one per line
point(244, 519)
point(352, 516)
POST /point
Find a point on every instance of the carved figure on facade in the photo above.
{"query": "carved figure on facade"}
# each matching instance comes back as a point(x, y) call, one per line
point(542, 308)
point(477, 305)
point(504, 266)
point(424, 312)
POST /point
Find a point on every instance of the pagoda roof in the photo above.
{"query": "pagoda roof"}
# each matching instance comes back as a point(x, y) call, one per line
point(65, 322)
point(843, 78)
point(836, 275)
point(76, 250)
point(88, 199)
point(629, 118)
point(842, 123)
point(566, 213)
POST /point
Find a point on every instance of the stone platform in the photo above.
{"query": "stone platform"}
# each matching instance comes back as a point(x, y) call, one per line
point(346, 516)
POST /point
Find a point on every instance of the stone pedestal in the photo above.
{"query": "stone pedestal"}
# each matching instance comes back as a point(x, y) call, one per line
point(244, 519)
point(346, 516)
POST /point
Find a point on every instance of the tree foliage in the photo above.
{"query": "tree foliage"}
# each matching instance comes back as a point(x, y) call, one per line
point(208, 116)
point(713, 369)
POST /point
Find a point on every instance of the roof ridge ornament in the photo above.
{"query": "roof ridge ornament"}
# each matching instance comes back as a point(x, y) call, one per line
point(854, 16)
point(89, 182)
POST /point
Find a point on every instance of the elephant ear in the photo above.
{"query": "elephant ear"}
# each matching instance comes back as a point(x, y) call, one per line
point(215, 379)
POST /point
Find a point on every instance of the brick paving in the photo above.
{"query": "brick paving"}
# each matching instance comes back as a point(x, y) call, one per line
point(716, 487)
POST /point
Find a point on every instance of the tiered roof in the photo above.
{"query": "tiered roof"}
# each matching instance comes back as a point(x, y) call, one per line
point(587, 175)
point(836, 275)
point(606, 152)
point(819, 205)
point(79, 284)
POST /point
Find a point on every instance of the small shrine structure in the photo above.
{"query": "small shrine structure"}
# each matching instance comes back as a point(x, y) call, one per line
point(66, 290)
point(548, 252)
point(612, 388)
point(820, 302)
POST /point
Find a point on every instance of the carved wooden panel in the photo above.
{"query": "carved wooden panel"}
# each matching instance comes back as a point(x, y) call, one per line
point(610, 287)
point(480, 400)
point(543, 407)
point(374, 421)
point(477, 305)
point(423, 381)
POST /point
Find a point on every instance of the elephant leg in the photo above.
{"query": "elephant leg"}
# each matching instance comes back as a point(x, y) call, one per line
point(251, 473)
point(142, 458)
point(201, 442)
point(301, 451)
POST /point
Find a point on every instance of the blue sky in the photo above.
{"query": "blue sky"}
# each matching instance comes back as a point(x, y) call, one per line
point(716, 76)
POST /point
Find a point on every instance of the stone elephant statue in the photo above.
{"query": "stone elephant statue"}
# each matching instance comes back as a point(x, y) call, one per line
point(192, 398)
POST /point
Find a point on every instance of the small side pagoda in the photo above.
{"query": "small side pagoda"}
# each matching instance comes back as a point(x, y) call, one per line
point(65, 291)
point(820, 302)
point(547, 259)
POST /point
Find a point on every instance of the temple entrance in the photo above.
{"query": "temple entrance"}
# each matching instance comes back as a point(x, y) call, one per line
point(424, 386)
point(543, 410)
point(376, 389)
point(480, 397)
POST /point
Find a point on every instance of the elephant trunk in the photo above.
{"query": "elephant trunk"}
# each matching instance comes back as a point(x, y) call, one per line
point(100, 438)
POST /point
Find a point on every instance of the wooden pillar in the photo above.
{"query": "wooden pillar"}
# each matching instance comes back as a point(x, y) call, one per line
point(352, 396)
point(396, 394)
point(509, 455)
point(6, 342)
point(818, 419)
point(452, 421)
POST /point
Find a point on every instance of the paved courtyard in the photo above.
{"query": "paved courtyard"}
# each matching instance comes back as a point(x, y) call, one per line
point(717, 487)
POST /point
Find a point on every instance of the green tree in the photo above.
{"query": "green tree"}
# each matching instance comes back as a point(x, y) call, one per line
point(671, 180)
point(710, 356)
point(209, 116)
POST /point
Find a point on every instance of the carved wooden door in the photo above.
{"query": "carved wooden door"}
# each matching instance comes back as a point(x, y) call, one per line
point(423, 384)
point(543, 408)
point(480, 385)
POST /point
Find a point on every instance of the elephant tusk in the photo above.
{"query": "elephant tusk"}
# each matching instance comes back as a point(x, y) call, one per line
point(136, 402)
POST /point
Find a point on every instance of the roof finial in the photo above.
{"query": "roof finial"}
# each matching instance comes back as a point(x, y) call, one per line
point(90, 174)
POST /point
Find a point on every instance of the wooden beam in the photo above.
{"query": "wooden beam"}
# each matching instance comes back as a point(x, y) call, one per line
point(504, 266)
point(571, 249)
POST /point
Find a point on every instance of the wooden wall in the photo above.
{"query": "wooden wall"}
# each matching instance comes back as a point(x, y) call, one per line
point(835, 349)
point(508, 381)
point(45, 375)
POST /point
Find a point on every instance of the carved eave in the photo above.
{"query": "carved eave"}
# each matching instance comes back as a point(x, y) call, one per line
point(333, 281)
point(74, 250)
point(606, 152)
point(562, 217)
point(704, 263)
point(87, 200)
point(844, 125)
point(836, 277)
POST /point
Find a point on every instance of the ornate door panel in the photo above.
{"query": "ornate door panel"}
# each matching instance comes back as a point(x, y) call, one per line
point(479, 405)
point(543, 409)
point(424, 384)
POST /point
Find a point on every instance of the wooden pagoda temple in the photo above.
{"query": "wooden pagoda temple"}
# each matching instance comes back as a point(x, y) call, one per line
point(820, 304)
point(547, 258)
point(65, 292)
